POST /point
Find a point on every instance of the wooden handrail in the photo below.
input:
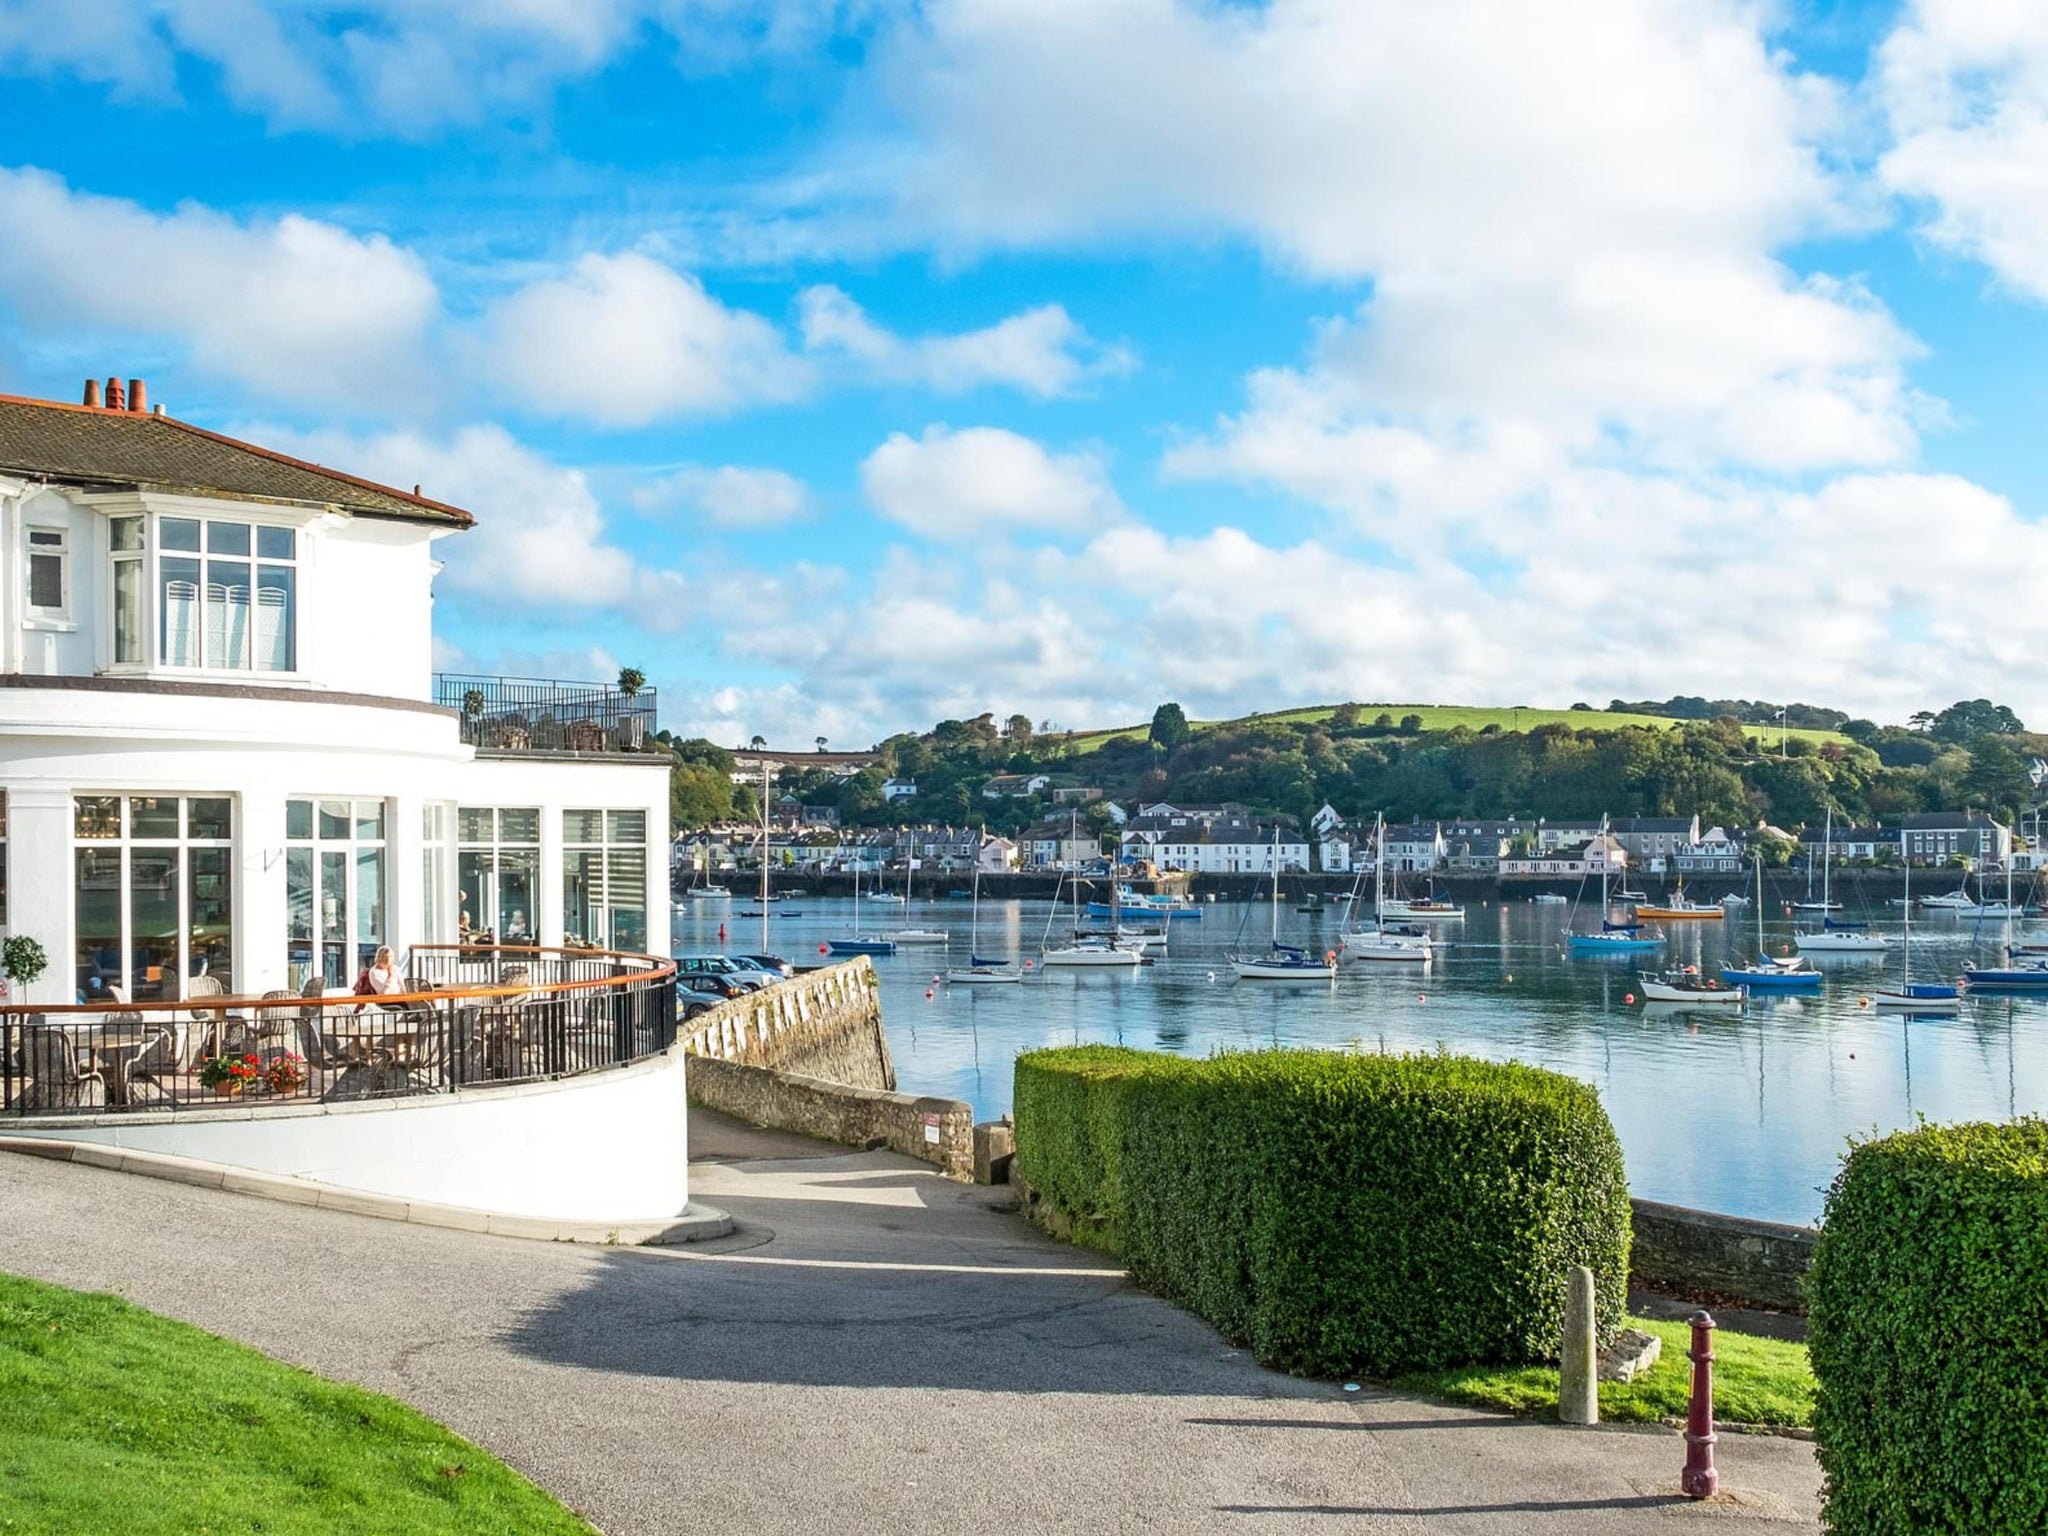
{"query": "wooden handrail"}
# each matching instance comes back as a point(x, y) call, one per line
point(653, 968)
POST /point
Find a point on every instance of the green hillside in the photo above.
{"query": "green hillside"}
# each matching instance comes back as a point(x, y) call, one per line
point(1447, 717)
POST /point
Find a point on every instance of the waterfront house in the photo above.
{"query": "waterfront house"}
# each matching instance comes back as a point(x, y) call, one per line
point(1226, 845)
point(1416, 848)
point(1477, 847)
point(1326, 821)
point(1850, 843)
point(996, 855)
point(1936, 837)
point(1653, 841)
point(1588, 860)
point(1714, 852)
point(223, 749)
point(1339, 850)
point(1565, 833)
point(1058, 843)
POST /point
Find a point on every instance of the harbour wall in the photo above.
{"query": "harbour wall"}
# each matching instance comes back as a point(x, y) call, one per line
point(809, 1055)
point(1761, 1262)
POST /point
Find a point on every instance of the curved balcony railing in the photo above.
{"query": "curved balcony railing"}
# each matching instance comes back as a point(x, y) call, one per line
point(472, 1017)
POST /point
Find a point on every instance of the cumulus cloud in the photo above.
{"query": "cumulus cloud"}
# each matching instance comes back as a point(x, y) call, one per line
point(1041, 351)
point(294, 307)
point(948, 484)
point(1965, 85)
point(727, 495)
point(540, 545)
point(625, 340)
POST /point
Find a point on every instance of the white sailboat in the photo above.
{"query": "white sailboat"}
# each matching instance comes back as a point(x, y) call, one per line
point(1928, 997)
point(1378, 942)
point(1282, 962)
point(1085, 954)
point(907, 934)
point(979, 971)
point(1832, 937)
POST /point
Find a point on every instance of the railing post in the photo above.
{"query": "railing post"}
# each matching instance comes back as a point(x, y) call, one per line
point(1700, 1480)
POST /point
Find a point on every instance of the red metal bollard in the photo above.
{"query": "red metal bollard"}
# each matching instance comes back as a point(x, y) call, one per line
point(1699, 1480)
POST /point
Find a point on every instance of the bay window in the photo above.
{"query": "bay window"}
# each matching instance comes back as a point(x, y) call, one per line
point(224, 593)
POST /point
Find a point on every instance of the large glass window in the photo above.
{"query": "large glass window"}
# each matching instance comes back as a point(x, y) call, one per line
point(498, 873)
point(334, 880)
point(154, 892)
point(604, 878)
point(225, 593)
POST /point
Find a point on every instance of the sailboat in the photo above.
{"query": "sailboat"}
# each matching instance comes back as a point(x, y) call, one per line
point(1426, 909)
point(1380, 942)
point(979, 971)
point(1281, 962)
point(2019, 974)
point(907, 934)
point(1681, 908)
point(704, 890)
point(1611, 938)
point(859, 943)
point(1927, 997)
point(1794, 973)
point(1824, 905)
point(1096, 953)
point(1832, 937)
point(1689, 986)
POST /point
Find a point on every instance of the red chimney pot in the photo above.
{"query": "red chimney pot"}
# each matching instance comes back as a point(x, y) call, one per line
point(114, 396)
point(92, 393)
point(138, 395)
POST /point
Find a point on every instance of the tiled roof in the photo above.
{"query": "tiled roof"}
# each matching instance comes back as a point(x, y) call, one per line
point(87, 446)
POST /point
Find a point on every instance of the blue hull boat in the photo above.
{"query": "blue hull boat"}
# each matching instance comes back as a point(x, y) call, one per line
point(861, 946)
point(1772, 978)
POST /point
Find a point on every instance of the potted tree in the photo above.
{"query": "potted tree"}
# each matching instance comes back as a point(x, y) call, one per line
point(631, 681)
point(23, 959)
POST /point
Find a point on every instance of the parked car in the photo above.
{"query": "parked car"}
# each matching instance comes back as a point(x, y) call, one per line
point(749, 977)
point(718, 985)
point(774, 965)
point(691, 1001)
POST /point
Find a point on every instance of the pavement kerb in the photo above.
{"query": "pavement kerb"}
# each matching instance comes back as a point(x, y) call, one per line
point(696, 1224)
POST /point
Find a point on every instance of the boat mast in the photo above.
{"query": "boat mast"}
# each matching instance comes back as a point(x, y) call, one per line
point(764, 856)
point(1379, 873)
point(1906, 934)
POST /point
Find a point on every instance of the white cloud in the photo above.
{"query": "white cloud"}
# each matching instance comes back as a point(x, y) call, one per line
point(1042, 351)
point(1965, 85)
point(624, 340)
point(727, 496)
point(540, 544)
point(297, 308)
point(979, 480)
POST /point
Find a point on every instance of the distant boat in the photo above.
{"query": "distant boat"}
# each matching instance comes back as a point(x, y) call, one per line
point(858, 943)
point(1085, 954)
point(709, 893)
point(1282, 962)
point(1404, 945)
point(1833, 938)
point(1793, 973)
point(886, 898)
point(1907, 996)
point(1690, 987)
point(1551, 899)
point(1138, 904)
point(907, 934)
point(1953, 901)
point(979, 971)
point(2022, 975)
point(1610, 938)
point(1683, 909)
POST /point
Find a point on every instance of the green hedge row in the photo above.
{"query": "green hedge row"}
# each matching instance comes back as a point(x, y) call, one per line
point(1337, 1213)
point(1929, 1318)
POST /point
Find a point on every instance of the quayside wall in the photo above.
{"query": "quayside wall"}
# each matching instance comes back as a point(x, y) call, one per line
point(809, 1055)
point(1761, 1262)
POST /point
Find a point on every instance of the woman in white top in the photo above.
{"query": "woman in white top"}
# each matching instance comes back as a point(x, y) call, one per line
point(385, 978)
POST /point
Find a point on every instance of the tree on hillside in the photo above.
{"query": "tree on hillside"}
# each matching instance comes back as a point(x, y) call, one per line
point(699, 795)
point(821, 743)
point(1169, 727)
point(1018, 729)
point(1967, 719)
point(1411, 725)
point(1345, 717)
point(758, 743)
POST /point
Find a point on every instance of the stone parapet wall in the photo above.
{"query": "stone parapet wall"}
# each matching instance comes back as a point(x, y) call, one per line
point(1761, 1262)
point(936, 1131)
point(825, 1023)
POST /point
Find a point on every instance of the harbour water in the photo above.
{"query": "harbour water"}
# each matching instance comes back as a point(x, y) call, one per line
point(1739, 1110)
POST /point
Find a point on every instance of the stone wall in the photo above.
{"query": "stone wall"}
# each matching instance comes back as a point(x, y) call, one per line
point(936, 1131)
point(1762, 1262)
point(826, 1023)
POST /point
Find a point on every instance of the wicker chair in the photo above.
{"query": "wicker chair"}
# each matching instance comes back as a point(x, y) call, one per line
point(56, 1080)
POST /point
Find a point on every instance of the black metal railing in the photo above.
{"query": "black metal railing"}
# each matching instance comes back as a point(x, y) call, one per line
point(527, 714)
point(471, 1017)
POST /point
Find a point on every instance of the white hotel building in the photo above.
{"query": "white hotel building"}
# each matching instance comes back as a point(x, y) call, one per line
point(222, 748)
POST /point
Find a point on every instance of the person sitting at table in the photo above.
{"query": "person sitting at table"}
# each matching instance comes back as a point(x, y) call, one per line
point(380, 978)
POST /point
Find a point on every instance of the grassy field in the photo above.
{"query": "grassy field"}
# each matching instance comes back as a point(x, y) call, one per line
point(1756, 1381)
point(1446, 717)
point(113, 1419)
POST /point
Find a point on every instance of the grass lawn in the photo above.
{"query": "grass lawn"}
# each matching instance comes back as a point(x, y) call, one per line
point(1445, 717)
point(113, 1419)
point(1756, 1381)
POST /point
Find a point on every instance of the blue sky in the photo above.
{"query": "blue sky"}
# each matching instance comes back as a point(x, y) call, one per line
point(846, 365)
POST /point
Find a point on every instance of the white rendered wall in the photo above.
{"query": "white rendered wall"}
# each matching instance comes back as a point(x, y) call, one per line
point(607, 1146)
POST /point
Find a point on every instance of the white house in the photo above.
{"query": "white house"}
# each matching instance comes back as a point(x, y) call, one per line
point(996, 856)
point(1223, 846)
point(1591, 858)
point(1015, 786)
point(1417, 848)
point(898, 789)
point(223, 750)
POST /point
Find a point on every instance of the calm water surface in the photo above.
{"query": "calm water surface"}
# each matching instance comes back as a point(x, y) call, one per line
point(1745, 1111)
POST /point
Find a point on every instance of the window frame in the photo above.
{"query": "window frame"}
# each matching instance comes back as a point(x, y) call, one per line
point(126, 844)
point(37, 613)
point(150, 625)
point(349, 846)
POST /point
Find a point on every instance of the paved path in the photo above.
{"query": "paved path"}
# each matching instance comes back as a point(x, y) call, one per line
point(874, 1348)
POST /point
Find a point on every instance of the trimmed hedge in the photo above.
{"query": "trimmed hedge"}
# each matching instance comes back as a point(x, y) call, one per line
point(1337, 1213)
point(1929, 1316)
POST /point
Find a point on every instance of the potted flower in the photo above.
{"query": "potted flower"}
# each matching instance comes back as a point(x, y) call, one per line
point(229, 1075)
point(286, 1073)
point(634, 724)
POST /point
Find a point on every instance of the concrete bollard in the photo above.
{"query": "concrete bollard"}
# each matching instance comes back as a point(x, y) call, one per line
point(995, 1142)
point(1578, 1385)
point(1700, 1479)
